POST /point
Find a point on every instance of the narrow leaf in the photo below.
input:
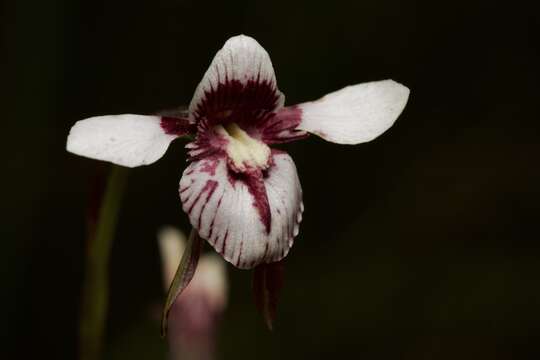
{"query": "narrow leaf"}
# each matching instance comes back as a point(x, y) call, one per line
point(267, 284)
point(183, 275)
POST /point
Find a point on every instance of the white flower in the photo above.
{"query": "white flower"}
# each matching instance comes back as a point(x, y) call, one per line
point(241, 195)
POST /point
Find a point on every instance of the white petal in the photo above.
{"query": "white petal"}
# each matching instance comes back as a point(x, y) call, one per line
point(127, 140)
point(241, 59)
point(224, 212)
point(355, 114)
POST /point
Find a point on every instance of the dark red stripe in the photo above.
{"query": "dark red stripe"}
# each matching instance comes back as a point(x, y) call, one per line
point(210, 186)
point(256, 187)
point(177, 126)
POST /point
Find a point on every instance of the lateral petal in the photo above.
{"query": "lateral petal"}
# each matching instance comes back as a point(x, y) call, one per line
point(128, 140)
point(354, 114)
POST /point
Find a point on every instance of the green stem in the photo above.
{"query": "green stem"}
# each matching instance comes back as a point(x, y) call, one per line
point(96, 285)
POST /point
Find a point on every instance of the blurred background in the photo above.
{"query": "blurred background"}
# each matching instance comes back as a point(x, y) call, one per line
point(422, 244)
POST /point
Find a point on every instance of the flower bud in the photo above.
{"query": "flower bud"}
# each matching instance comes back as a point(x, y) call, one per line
point(195, 315)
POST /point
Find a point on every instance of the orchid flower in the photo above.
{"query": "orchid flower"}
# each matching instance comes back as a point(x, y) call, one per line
point(195, 316)
point(241, 195)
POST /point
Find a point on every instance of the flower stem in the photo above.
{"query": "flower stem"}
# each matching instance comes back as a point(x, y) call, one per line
point(96, 284)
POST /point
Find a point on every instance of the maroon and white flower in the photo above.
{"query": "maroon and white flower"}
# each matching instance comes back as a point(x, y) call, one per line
point(240, 194)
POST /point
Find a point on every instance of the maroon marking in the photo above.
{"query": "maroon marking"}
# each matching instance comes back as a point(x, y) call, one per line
point(281, 126)
point(251, 106)
point(211, 186)
point(177, 126)
point(240, 254)
point(208, 186)
point(194, 202)
point(256, 187)
point(219, 202)
point(215, 215)
point(207, 144)
point(186, 200)
point(278, 152)
point(209, 166)
point(232, 99)
point(223, 246)
point(232, 176)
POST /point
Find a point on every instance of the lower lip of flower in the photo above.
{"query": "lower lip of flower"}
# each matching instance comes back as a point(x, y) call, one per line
point(244, 151)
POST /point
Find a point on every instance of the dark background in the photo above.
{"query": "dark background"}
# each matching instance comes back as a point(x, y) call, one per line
point(420, 245)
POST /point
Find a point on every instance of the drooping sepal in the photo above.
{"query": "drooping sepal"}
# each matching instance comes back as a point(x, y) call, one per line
point(268, 281)
point(184, 274)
